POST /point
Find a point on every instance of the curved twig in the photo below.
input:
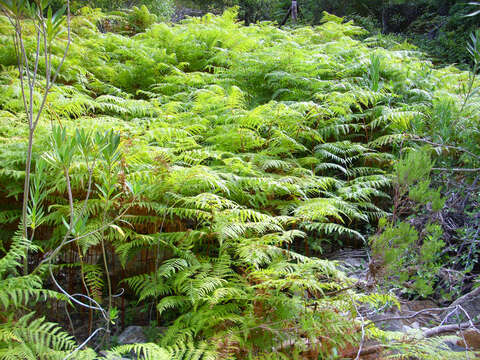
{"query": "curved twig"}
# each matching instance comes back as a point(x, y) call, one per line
point(84, 343)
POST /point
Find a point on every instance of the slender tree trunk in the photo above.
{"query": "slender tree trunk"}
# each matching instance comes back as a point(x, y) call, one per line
point(26, 195)
point(384, 17)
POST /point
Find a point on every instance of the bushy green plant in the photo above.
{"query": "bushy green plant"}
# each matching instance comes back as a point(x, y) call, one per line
point(141, 19)
point(408, 256)
point(407, 259)
point(163, 9)
point(234, 155)
point(24, 334)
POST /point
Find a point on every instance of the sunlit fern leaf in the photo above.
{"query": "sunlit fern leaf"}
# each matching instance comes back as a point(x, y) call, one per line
point(147, 351)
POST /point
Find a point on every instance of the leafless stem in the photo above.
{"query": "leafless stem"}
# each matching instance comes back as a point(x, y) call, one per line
point(457, 169)
point(362, 342)
point(414, 314)
point(84, 343)
point(73, 299)
point(70, 196)
point(445, 329)
point(458, 148)
point(69, 319)
point(99, 229)
point(28, 88)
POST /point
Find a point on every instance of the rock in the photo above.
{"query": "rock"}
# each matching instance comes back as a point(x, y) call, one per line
point(454, 347)
point(111, 357)
point(407, 329)
point(387, 325)
point(472, 338)
point(407, 324)
point(353, 262)
point(469, 302)
point(184, 12)
point(132, 335)
point(423, 320)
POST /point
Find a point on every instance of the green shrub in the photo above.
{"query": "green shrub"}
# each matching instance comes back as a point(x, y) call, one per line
point(163, 9)
point(238, 149)
point(141, 19)
point(406, 258)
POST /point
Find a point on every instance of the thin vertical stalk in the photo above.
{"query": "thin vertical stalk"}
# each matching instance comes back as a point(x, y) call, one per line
point(28, 81)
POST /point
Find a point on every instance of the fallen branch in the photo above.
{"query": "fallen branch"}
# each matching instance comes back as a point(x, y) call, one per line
point(466, 297)
point(362, 342)
point(457, 169)
point(442, 329)
point(461, 301)
point(458, 148)
point(413, 315)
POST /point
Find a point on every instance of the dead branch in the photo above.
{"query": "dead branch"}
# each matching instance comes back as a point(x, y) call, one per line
point(414, 314)
point(466, 297)
point(442, 329)
point(458, 148)
point(457, 169)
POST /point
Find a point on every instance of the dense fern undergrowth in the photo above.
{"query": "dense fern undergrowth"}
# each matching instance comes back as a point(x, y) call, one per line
point(238, 157)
